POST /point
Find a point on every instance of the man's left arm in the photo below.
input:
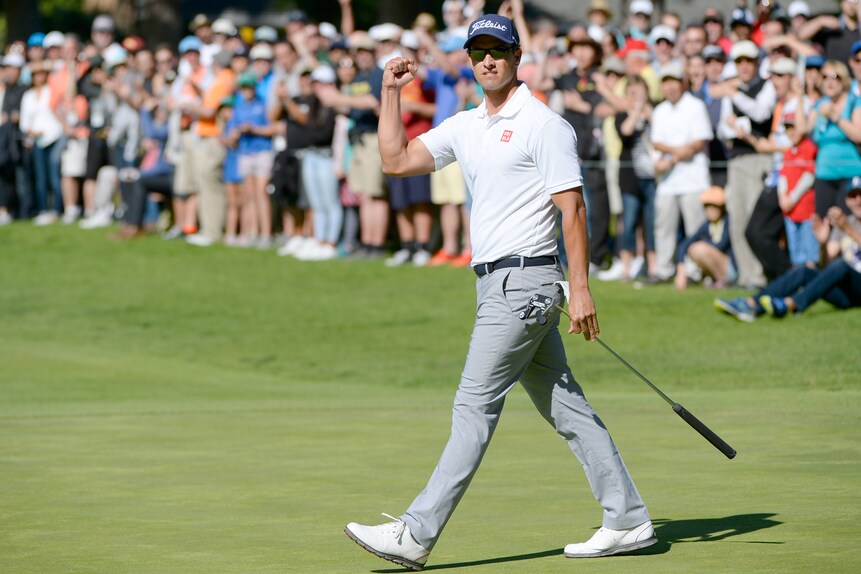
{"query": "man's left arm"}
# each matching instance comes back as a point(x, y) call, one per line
point(759, 109)
point(581, 306)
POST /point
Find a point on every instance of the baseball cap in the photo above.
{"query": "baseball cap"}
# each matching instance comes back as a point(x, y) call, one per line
point(855, 185)
point(36, 40)
point(103, 23)
point(783, 67)
point(14, 61)
point(662, 32)
point(190, 44)
point(410, 40)
point(798, 8)
point(114, 56)
point(53, 39)
point(741, 16)
point(713, 196)
point(199, 21)
point(227, 102)
point(494, 25)
point(247, 80)
point(641, 7)
point(323, 74)
point(224, 27)
point(327, 30)
point(856, 47)
point(265, 34)
point(814, 62)
point(673, 70)
point(634, 46)
point(744, 49)
point(387, 32)
point(614, 65)
point(261, 52)
point(451, 44)
point(713, 52)
point(601, 6)
point(362, 41)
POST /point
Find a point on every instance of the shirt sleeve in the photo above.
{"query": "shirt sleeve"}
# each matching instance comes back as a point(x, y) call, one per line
point(700, 122)
point(555, 154)
point(758, 109)
point(440, 142)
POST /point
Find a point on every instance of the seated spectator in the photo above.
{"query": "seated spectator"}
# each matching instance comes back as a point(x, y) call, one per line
point(709, 247)
point(838, 283)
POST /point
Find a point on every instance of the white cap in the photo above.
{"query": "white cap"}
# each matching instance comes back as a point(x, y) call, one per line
point(744, 49)
point(265, 34)
point(798, 8)
point(662, 32)
point(14, 61)
point(224, 26)
point(115, 55)
point(641, 7)
point(53, 39)
point(672, 70)
point(410, 39)
point(784, 67)
point(328, 30)
point(385, 32)
point(260, 52)
point(323, 74)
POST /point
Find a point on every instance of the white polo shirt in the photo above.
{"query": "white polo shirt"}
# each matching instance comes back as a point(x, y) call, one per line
point(676, 125)
point(513, 162)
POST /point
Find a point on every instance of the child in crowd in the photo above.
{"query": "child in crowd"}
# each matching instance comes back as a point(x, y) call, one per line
point(796, 198)
point(709, 247)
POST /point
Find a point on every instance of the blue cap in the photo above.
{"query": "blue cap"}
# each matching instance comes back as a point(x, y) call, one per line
point(190, 44)
point(814, 62)
point(35, 40)
point(494, 25)
point(452, 44)
point(856, 47)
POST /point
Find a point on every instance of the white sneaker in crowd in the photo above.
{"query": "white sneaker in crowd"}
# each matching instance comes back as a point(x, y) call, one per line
point(100, 218)
point(318, 252)
point(607, 542)
point(391, 541)
point(5, 218)
point(307, 250)
point(421, 258)
point(614, 273)
point(398, 258)
point(291, 246)
point(636, 266)
point(199, 240)
point(45, 218)
point(71, 214)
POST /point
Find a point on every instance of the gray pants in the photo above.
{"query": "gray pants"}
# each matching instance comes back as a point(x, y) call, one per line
point(743, 187)
point(503, 350)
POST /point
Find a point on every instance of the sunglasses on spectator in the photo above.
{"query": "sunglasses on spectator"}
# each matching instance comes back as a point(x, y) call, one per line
point(164, 61)
point(346, 63)
point(497, 53)
point(832, 76)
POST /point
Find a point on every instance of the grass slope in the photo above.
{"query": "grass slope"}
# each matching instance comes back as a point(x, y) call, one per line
point(169, 409)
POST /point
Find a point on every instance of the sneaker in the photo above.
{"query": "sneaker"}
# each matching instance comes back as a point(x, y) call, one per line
point(421, 257)
point(307, 250)
point(441, 257)
point(71, 215)
point(637, 265)
point(45, 218)
point(614, 273)
point(325, 252)
point(738, 308)
point(774, 306)
point(100, 218)
point(462, 260)
point(391, 541)
point(199, 240)
point(174, 232)
point(5, 218)
point(398, 258)
point(608, 542)
point(291, 246)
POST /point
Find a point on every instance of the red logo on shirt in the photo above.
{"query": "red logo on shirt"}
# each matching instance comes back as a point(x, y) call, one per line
point(506, 136)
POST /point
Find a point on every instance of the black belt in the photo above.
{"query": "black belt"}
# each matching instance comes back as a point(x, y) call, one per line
point(485, 268)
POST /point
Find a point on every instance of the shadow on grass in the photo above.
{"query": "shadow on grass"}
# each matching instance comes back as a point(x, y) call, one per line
point(669, 532)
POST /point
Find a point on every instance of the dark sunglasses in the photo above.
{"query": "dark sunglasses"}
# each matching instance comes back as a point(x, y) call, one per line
point(497, 53)
point(832, 76)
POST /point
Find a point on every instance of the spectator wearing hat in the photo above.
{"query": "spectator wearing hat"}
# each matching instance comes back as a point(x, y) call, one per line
point(42, 130)
point(640, 19)
point(454, 20)
point(813, 77)
point(209, 152)
point(747, 108)
point(836, 125)
point(600, 19)
point(741, 25)
point(713, 22)
point(262, 56)
point(201, 27)
point(102, 32)
point(838, 282)
point(799, 15)
point(11, 94)
point(709, 246)
point(835, 34)
point(855, 68)
point(53, 46)
point(637, 58)
point(365, 175)
point(680, 133)
point(663, 41)
point(715, 59)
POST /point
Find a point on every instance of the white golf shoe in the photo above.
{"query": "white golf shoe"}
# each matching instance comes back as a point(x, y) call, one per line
point(391, 541)
point(607, 542)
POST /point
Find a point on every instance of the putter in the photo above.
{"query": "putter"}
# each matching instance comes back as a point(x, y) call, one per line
point(543, 304)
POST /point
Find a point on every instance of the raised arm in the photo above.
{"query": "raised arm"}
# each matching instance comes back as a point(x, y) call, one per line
point(401, 157)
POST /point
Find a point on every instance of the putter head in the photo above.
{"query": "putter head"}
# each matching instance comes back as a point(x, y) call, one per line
point(540, 303)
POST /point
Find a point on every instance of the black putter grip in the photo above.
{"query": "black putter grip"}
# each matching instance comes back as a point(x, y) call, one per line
point(707, 433)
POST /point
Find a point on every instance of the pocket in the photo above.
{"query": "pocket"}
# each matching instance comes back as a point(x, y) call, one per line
point(520, 285)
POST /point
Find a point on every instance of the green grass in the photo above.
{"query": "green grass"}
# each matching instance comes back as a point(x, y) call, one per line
point(170, 409)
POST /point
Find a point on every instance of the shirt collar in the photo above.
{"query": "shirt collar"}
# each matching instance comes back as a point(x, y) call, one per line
point(512, 106)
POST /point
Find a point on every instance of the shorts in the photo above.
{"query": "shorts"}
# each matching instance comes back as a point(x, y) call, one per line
point(184, 183)
point(231, 167)
point(97, 157)
point(257, 164)
point(287, 181)
point(366, 167)
point(448, 186)
point(405, 192)
point(73, 161)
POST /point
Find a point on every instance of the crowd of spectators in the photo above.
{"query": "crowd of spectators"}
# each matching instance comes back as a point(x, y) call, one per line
point(712, 149)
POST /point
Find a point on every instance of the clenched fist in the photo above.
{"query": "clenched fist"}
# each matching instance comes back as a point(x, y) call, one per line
point(398, 73)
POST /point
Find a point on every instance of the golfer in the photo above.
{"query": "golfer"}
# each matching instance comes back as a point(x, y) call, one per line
point(520, 162)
